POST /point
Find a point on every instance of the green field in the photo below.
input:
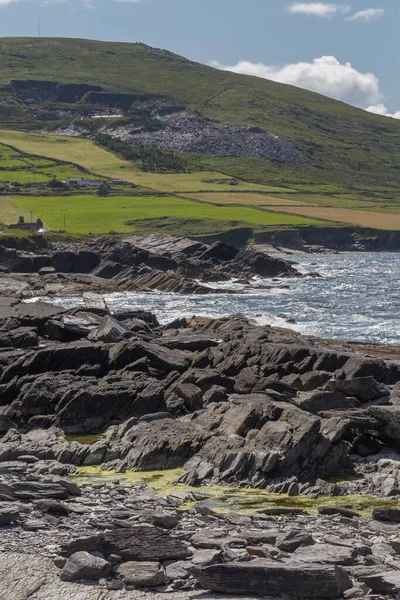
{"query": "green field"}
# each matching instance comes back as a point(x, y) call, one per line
point(94, 214)
point(19, 166)
point(10, 211)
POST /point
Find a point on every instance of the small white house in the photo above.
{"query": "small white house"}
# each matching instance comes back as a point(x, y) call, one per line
point(84, 182)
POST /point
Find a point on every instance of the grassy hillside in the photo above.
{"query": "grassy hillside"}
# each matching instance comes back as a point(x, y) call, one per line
point(344, 145)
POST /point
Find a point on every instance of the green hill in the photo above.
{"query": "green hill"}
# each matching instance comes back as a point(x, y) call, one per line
point(346, 149)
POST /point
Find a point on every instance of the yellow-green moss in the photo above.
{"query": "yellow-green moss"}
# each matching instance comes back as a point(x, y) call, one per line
point(229, 499)
point(84, 438)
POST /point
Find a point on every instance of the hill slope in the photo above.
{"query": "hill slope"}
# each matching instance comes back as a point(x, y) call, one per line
point(341, 144)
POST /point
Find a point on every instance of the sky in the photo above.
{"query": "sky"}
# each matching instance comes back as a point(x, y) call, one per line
point(347, 50)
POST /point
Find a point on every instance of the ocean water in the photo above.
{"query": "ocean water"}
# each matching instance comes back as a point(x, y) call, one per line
point(357, 298)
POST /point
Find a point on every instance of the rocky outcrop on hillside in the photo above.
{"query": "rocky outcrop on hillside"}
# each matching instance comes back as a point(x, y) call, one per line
point(185, 132)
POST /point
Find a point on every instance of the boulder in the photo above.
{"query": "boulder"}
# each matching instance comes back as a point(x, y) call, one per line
point(110, 330)
point(8, 515)
point(317, 401)
point(79, 357)
point(191, 395)
point(163, 359)
point(389, 417)
point(84, 566)
point(21, 337)
point(290, 541)
point(165, 520)
point(392, 515)
point(53, 507)
point(93, 407)
point(161, 444)
point(387, 582)
point(362, 388)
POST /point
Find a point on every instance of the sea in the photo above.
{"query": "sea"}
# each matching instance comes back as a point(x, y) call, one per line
point(355, 298)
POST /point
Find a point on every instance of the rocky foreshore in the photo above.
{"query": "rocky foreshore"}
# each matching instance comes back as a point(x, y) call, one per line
point(37, 266)
point(313, 424)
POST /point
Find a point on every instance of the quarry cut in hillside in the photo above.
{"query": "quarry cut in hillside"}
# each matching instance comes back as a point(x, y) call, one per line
point(184, 132)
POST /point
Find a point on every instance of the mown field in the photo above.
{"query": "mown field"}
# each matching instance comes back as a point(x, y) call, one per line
point(375, 220)
point(10, 211)
point(94, 214)
point(242, 198)
point(19, 167)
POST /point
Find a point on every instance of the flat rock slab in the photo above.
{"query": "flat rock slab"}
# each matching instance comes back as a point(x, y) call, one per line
point(34, 577)
point(384, 583)
point(136, 543)
point(265, 577)
point(141, 574)
point(326, 554)
point(32, 491)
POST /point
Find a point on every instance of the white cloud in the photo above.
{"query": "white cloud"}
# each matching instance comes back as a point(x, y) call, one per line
point(380, 109)
point(318, 9)
point(370, 14)
point(325, 75)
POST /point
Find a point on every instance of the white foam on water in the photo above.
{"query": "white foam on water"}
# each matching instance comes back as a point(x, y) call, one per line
point(358, 298)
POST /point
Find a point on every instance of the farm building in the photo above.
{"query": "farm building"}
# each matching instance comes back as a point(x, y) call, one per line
point(82, 182)
point(38, 224)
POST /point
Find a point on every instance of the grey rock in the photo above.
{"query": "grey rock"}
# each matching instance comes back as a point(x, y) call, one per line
point(325, 554)
point(165, 520)
point(32, 491)
point(34, 525)
point(387, 582)
point(136, 543)
point(141, 574)
point(296, 581)
point(386, 514)
point(289, 542)
point(8, 515)
point(363, 388)
point(337, 510)
point(84, 566)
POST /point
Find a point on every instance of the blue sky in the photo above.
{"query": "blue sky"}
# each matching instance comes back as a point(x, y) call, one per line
point(346, 50)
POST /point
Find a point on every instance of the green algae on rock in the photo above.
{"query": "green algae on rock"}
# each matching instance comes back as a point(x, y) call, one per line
point(229, 499)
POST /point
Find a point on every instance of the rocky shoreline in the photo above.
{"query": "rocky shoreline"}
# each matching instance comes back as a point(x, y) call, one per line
point(312, 423)
point(136, 263)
